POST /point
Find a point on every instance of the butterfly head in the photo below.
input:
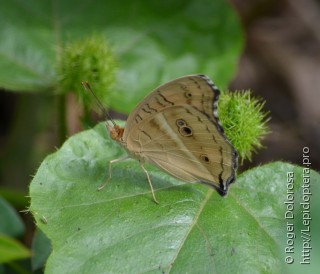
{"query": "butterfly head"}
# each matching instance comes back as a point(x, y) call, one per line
point(116, 132)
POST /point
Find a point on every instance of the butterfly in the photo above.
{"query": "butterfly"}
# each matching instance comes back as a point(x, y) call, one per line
point(176, 128)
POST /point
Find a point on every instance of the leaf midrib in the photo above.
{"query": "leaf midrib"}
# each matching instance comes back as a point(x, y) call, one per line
point(194, 222)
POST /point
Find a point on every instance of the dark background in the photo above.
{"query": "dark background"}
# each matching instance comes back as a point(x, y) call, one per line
point(281, 63)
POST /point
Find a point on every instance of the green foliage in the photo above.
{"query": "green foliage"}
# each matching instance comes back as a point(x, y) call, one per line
point(49, 46)
point(11, 223)
point(120, 229)
point(89, 60)
point(11, 249)
point(41, 249)
point(11, 226)
point(243, 120)
point(153, 42)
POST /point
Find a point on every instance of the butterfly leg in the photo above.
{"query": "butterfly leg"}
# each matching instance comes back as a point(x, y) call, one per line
point(150, 184)
point(110, 170)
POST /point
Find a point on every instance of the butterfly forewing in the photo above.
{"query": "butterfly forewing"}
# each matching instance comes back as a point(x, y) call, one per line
point(195, 90)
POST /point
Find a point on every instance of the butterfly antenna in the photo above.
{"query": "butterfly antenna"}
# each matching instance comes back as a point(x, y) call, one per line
point(87, 87)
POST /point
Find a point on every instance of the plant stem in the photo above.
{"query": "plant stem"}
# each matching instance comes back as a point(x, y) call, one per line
point(62, 127)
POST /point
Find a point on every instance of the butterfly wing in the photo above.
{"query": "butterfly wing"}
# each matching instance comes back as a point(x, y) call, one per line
point(177, 129)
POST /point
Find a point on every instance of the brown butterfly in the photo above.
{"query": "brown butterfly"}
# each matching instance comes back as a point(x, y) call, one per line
point(176, 128)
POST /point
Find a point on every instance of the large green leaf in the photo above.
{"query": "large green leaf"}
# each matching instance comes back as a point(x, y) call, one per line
point(154, 41)
point(121, 230)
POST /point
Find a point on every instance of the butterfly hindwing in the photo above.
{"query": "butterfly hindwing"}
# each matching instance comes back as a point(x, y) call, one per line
point(184, 142)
